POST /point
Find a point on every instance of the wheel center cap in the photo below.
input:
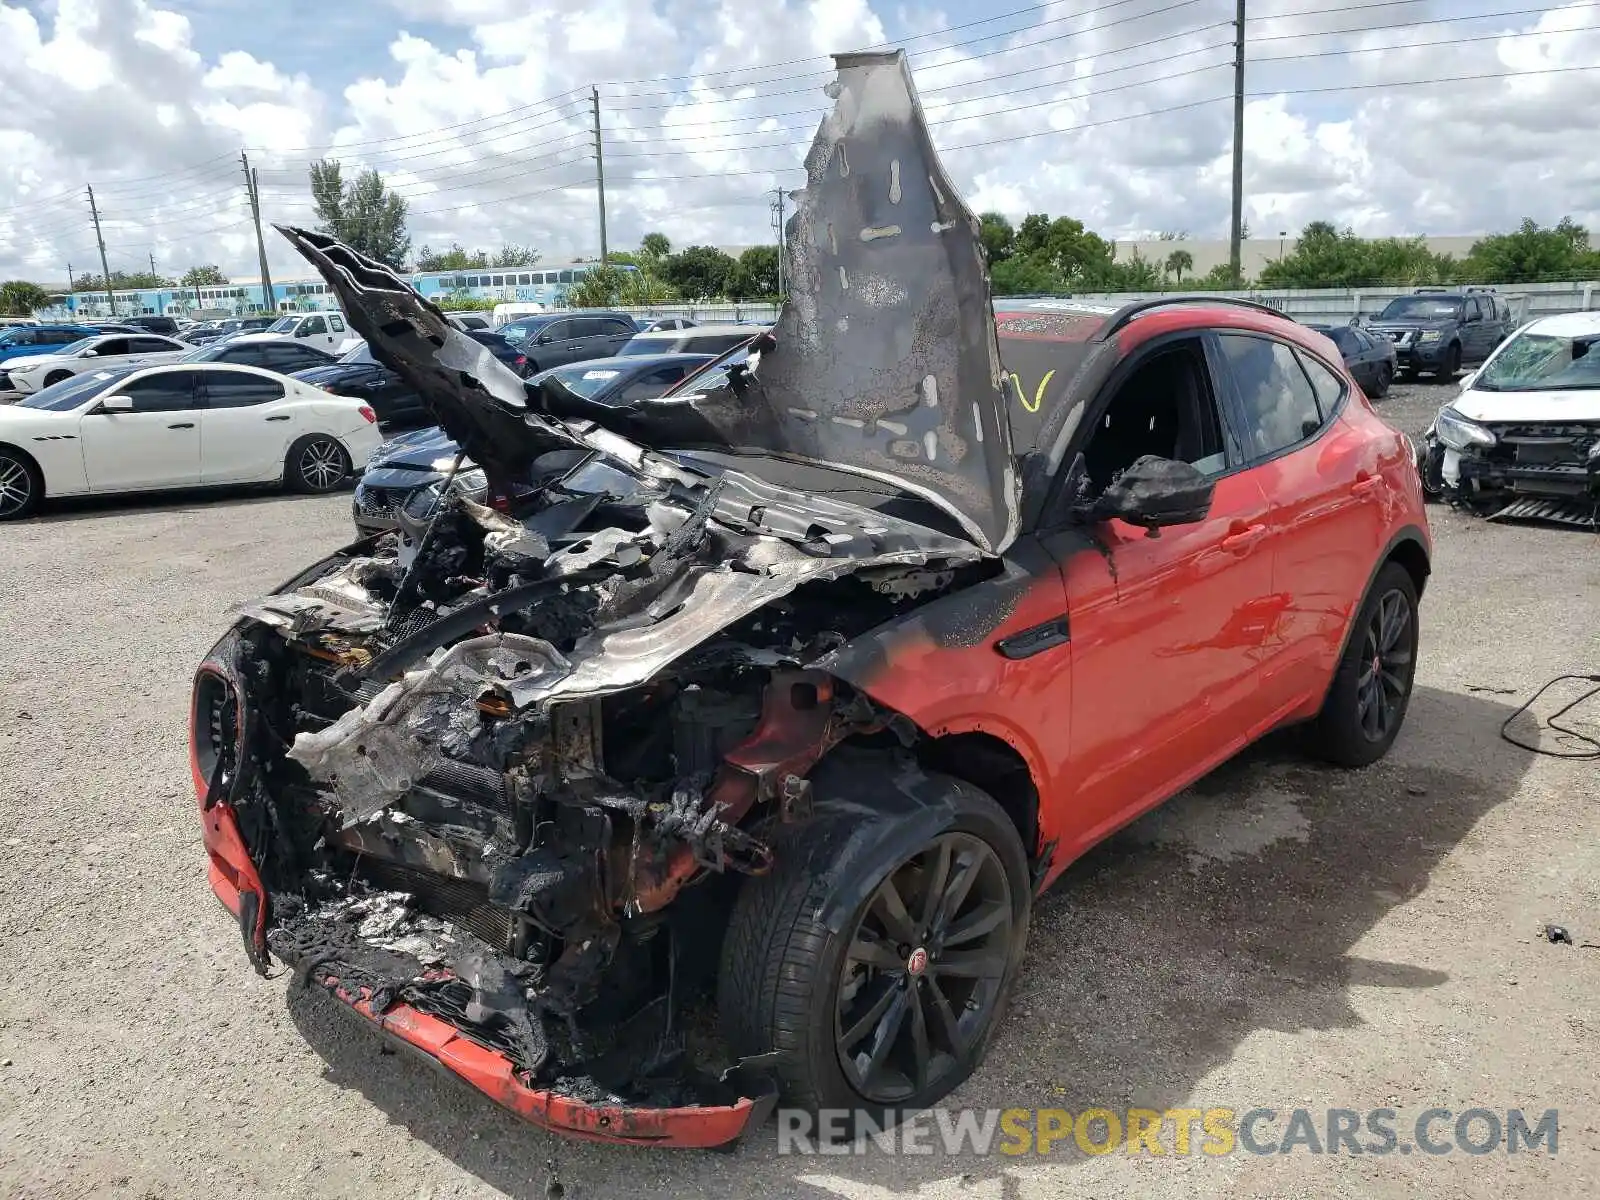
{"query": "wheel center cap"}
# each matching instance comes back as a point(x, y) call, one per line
point(1377, 664)
point(917, 963)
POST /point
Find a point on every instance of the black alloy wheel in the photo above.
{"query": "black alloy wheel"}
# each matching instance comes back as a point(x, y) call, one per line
point(1387, 655)
point(924, 970)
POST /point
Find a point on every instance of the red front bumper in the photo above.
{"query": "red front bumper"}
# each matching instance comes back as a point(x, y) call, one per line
point(232, 874)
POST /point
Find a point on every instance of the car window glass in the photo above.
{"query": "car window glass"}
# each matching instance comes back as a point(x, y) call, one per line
point(1327, 386)
point(1279, 405)
point(239, 389)
point(612, 327)
point(24, 337)
point(336, 324)
point(1345, 340)
point(557, 331)
point(293, 358)
point(1471, 311)
point(112, 347)
point(152, 345)
point(314, 325)
point(168, 391)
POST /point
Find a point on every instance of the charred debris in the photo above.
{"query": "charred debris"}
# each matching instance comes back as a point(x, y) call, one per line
point(504, 763)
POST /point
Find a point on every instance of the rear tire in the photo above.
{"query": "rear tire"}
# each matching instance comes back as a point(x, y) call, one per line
point(895, 974)
point(1380, 386)
point(1371, 690)
point(316, 463)
point(21, 485)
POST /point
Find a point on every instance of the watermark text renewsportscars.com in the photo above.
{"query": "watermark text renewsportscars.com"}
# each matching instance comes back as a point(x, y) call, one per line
point(1177, 1132)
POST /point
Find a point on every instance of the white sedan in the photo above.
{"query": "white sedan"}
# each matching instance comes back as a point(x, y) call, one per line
point(178, 426)
point(25, 376)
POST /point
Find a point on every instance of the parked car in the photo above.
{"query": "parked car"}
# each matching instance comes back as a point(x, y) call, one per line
point(471, 320)
point(320, 330)
point(103, 350)
point(1522, 440)
point(166, 326)
point(555, 339)
point(841, 690)
point(700, 339)
point(183, 425)
point(207, 331)
point(262, 350)
point(29, 341)
point(656, 324)
point(1439, 330)
point(1371, 360)
point(358, 374)
point(11, 322)
point(412, 462)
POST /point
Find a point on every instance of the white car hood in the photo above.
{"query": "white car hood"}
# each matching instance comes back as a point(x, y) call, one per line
point(38, 360)
point(1555, 406)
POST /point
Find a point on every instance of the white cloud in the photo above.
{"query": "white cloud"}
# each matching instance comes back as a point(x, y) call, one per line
point(707, 107)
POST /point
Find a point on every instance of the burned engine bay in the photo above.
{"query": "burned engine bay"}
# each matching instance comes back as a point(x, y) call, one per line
point(477, 766)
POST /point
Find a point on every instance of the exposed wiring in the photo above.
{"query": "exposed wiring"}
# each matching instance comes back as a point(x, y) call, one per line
point(1567, 732)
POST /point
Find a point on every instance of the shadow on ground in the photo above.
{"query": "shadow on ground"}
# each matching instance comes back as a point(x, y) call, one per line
point(1229, 911)
point(79, 508)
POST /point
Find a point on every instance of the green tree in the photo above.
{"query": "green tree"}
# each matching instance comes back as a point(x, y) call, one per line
point(699, 273)
point(755, 275)
point(207, 275)
point(601, 287)
point(997, 237)
point(1531, 254)
point(654, 246)
point(1178, 262)
point(514, 255)
point(456, 258)
point(18, 297)
point(121, 281)
point(1325, 256)
point(362, 213)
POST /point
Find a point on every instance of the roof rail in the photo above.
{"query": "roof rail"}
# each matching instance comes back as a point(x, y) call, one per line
point(1134, 308)
point(1429, 290)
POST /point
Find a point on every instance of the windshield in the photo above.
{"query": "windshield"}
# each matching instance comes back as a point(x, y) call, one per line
point(642, 345)
point(1421, 308)
point(584, 381)
point(70, 393)
point(282, 325)
point(359, 354)
point(79, 346)
point(15, 337)
point(1538, 362)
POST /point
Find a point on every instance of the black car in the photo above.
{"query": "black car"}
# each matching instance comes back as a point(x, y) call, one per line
point(405, 465)
point(1369, 357)
point(363, 377)
point(556, 339)
point(201, 334)
point(162, 325)
point(274, 354)
point(1439, 330)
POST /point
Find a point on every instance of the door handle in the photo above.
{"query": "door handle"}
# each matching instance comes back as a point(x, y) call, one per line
point(1365, 484)
point(182, 425)
point(279, 417)
point(1242, 539)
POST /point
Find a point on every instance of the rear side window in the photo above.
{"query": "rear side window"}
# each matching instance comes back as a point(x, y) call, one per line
point(112, 348)
point(239, 389)
point(1279, 405)
point(152, 345)
point(170, 391)
point(1329, 388)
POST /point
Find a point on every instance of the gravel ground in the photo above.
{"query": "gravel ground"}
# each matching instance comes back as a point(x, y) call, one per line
point(1279, 936)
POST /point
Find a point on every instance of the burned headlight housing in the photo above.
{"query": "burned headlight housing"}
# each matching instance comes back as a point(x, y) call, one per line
point(1459, 433)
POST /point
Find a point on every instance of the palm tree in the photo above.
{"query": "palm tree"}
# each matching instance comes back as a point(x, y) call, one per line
point(1178, 262)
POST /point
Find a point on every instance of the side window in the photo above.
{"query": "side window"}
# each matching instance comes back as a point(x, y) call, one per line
point(1280, 407)
point(522, 281)
point(239, 389)
point(716, 344)
point(152, 345)
point(314, 325)
point(1471, 312)
point(113, 348)
point(169, 391)
point(612, 327)
point(558, 331)
point(1329, 388)
point(336, 323)
point(27, 337)
point(288, 357)
point(651, 383)
point(1165, 407)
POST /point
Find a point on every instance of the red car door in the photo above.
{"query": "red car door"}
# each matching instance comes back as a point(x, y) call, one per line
point(1167, 632)
point(1308, 438)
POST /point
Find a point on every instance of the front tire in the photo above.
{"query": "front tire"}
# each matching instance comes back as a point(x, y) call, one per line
point(1451, 367)
point(894, 1010)
point(55, 377)
point(1371, 690)
point(316, 464)
point(21, 485)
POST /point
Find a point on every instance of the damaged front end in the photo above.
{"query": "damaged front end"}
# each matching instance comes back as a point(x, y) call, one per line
point(1516, 470)
point(489, 778)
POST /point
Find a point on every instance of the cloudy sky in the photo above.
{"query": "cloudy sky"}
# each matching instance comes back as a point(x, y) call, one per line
point(1114, 112)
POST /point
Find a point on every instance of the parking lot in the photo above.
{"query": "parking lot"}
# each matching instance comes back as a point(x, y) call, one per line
point(1281, 936)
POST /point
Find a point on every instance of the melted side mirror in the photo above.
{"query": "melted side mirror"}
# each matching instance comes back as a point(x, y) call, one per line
point(1155, 492)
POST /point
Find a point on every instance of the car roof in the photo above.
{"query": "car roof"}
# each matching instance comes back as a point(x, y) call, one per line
point(667, 335)
point(1567, 325)
point(264, 339)
point(638, 362)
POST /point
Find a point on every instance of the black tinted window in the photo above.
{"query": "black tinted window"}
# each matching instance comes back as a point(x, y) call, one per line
point(1279, 405)
point(591, 327)
point(112, 348)
point(239, 389)
point(58, 337)
point(1345, 339)
point(314, 325)
point(170, 391)
point(612, 327)
point(151, 345)
point(558, 330)
point(292, 358)
point(1327, 386)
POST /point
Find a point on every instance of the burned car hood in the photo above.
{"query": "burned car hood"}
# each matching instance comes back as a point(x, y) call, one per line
point(883, 363)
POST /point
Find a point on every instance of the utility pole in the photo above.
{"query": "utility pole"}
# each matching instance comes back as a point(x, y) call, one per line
point(599, 171)
point(72, 288)
point(777, 220)
point(104, 265)
point(1236, 235)
point(252, 188)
